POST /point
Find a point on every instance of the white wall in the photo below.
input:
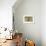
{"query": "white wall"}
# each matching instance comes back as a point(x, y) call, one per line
point(31, 31)
point(23, 28)
point(43, 22)
point(6, 13)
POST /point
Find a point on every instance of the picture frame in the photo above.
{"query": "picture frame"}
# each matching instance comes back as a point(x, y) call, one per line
point(28, 19)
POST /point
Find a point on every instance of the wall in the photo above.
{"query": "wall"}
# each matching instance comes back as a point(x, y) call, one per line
point(43, 22)
point(30, 31)
point(6, 13)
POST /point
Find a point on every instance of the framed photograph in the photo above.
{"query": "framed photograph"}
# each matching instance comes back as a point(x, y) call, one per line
point(28, 19)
